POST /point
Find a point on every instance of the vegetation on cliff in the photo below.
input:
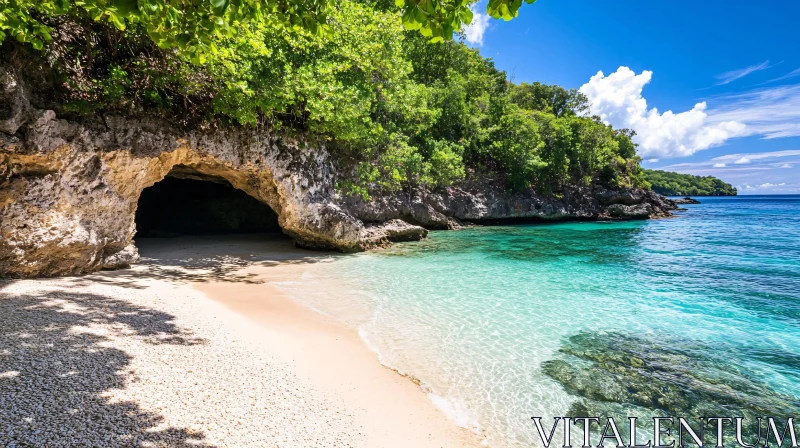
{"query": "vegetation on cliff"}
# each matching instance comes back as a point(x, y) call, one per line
point(675, 184)
point(398, 111)
point(193, 27)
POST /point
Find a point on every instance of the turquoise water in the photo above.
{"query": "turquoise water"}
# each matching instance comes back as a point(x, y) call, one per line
point(478, 315)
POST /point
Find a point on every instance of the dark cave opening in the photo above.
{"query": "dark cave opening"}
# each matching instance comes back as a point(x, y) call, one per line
point(190, 206)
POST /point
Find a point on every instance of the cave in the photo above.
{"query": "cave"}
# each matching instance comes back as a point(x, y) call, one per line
point(184, 203)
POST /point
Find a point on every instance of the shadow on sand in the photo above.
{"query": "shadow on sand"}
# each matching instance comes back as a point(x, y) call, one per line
point(53, 376)
point(203, 259)
point(55, 372)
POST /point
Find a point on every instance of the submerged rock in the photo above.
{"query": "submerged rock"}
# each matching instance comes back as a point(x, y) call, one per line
point(69, 190)
point(621, 375)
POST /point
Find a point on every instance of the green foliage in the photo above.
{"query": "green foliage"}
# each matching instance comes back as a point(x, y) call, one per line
point(549, 98)
point(446, 163)
point(437, 20)
point(517, 147)
point(675, 184)
point(196, 27)
point(397, 111)
point(505, 9)
point(353, 85)
point(16, 19)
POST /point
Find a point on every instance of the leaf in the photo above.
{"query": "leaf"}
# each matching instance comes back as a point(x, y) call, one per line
point(117, 20)
point(96, 14)
point(409, 20)
point(399, 3)
point(127, 8)
point(447, 31)
point(198, 58)
point(219, 6)
point(151, 5)
point(466, 15)
point(183, 39)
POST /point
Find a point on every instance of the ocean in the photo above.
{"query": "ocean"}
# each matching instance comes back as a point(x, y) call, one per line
point(695, 315)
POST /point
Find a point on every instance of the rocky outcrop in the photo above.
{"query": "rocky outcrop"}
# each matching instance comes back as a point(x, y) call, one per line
point(484, 202)
point(69, 190)
point(686, 200)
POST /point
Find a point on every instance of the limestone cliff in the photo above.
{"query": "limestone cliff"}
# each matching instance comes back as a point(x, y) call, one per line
point(69, 190)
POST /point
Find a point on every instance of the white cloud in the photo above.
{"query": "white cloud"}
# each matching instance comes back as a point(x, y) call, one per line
point(772, 112)
point(473, 33)
point(741, 162)
point(768, 186)
point(617, 99)
point(748, 158)
point(733, 75)
point(792, 74)
point(767, 112)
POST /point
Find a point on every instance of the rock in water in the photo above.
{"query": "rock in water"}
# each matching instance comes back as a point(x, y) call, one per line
point(620, 375)
point(686, 200)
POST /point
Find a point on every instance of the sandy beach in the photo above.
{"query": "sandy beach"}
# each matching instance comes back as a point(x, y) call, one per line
point(194, 347)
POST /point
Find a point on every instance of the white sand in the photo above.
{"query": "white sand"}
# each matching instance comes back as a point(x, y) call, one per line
point(193, 348)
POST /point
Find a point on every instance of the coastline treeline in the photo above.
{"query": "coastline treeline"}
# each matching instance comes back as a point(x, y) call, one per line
point(676, 184)
point(399, 104)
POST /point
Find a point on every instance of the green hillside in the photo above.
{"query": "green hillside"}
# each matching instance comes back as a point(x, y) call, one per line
point(676, 184)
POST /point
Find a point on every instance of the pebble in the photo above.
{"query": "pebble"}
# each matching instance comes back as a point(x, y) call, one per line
point(134, 364)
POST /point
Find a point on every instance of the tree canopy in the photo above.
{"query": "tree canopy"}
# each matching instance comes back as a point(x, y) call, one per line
point(675, 184)
point(195, 27)
point(397, 111)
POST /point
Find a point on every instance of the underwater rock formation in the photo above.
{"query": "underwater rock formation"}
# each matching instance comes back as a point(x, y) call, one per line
point(620, 375)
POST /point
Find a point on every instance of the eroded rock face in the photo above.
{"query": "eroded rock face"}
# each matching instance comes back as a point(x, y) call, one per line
point(69, 191)
point(476, 202)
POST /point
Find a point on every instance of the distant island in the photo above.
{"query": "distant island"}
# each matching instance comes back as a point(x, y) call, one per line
point(676, 184)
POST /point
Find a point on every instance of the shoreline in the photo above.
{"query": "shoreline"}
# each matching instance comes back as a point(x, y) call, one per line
point(392, 406)
point(205, 352)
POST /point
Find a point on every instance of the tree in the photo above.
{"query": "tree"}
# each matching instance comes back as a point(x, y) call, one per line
point(549, 98)
point(195, 27)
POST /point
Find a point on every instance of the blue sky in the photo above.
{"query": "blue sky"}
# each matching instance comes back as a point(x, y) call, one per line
point(729, 72)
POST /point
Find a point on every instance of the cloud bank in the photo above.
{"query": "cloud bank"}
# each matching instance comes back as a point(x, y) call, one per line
point(617, 99)
point(772, 112)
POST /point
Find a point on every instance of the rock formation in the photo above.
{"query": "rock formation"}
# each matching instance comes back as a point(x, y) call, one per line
point(69, 190)
point(686, 200)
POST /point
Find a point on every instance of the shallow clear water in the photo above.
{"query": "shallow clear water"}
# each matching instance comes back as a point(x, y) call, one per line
point(473, 314)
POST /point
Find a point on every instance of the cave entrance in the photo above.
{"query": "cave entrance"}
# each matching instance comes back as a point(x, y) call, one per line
point(187, 203)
